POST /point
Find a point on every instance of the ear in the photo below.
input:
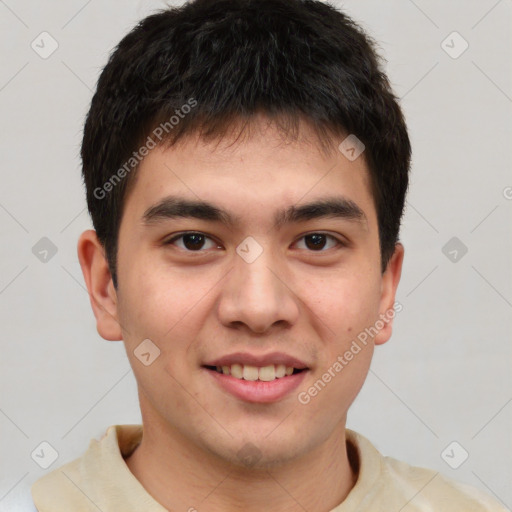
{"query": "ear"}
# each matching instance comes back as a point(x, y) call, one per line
point(100, 286)
point(389, 284)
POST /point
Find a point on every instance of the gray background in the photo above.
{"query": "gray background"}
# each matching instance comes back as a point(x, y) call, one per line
point(444, 376)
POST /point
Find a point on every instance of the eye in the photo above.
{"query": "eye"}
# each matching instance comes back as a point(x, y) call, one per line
point(198, 242)
point(317, 241)
point(192, 241)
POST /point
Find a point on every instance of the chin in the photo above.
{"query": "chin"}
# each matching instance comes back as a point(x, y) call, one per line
point(258, 452)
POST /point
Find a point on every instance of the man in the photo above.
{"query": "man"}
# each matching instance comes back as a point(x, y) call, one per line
point(246, 166)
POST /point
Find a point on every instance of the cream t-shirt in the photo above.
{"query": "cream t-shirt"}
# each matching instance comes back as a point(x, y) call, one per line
point(101, 480)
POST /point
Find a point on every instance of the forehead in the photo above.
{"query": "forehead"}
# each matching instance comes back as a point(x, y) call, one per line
point(260, 173)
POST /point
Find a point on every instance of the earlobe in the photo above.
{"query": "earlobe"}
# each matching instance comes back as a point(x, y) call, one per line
point(390, 280)
point(99, 284)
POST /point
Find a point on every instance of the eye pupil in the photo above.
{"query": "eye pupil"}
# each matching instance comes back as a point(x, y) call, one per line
point(196, 241)
point(317, 239)
point(196, 238)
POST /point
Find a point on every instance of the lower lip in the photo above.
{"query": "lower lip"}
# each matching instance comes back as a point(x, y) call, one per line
point(257, 390)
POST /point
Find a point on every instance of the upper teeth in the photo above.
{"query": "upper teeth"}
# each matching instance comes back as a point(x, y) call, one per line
point(248, 372)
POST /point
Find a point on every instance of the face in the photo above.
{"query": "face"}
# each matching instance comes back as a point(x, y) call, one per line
point(275, 269)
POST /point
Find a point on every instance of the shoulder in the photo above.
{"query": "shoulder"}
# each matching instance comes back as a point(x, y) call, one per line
point(385, 483)
point(74, 485)
point(58, 486)
point(426, 489)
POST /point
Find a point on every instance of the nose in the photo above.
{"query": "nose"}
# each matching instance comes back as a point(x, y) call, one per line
point(256, 295)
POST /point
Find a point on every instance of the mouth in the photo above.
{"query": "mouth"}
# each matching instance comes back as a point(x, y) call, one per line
point(252, 373)
point(262, 379)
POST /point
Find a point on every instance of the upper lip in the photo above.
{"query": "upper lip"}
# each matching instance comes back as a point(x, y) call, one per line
point(258, 360)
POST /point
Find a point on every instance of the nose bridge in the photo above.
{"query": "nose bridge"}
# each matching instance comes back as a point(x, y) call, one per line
point(258, 279)
point(255, 293)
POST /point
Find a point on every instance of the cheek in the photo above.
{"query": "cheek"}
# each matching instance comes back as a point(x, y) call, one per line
point(347, 303)
point(153, 299)
point(159, 308)
point(168, 307)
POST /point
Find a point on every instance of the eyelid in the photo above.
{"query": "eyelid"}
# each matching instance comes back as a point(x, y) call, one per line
point(340, 241)
point(177, 236)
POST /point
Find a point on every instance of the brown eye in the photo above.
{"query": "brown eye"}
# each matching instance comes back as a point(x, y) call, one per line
point(193, 242)
point(318, 241)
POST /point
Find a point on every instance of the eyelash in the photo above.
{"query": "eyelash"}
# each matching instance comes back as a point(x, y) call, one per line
point(181, 235)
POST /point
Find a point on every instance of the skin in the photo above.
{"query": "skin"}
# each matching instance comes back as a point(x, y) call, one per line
point(199, 305)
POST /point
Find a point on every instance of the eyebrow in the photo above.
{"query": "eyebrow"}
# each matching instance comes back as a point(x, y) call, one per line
point(173, 207)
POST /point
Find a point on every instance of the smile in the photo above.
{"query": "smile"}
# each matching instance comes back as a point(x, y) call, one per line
point(254, 373)
point(265, 384)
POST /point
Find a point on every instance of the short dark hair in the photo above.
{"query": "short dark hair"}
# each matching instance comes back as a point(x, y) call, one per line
point(201, 67)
